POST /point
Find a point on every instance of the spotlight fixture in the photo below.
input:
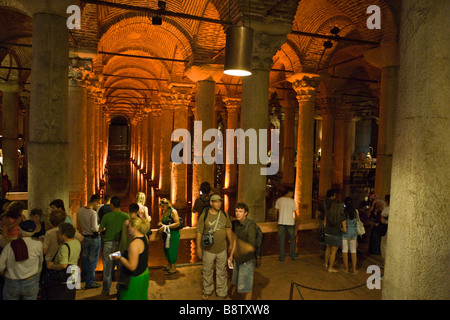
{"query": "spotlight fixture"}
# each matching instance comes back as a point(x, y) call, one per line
point(162, 5)
point(328, 44)
point(335, 31)
point(238, 52)
point(157, 20)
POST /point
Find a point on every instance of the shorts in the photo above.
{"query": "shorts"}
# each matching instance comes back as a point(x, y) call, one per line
point(346, 243)
point(334, 241)
point(242, 276)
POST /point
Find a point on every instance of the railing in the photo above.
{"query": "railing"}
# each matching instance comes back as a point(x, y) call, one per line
point(190, 232)
point(266, 227)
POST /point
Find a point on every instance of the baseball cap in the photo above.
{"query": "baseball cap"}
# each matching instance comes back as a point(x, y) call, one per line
point(215, 197)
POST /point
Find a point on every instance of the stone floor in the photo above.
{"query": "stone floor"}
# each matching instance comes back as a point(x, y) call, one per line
point(272, 281)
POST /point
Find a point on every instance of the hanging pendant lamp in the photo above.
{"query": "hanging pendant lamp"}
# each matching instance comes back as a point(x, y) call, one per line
point(238, 52)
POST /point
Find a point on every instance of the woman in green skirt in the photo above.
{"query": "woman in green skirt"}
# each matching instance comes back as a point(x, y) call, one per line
point(170, 218)
point(134, 275)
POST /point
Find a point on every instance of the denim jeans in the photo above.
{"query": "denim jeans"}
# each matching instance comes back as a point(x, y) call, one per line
point(281, 235)
point(89, 259)
point(26, 289)
point(108, 264)
point(242, 276)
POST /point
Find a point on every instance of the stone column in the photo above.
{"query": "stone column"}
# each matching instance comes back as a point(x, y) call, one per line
point(326, 157)
point(157, 125)
point(90, 143)
point(254, 116)
point(349, 139)
point(385, 57)
point(289, 147)
point(166, 132)
point(418, 243)
point(77, 133)
point(206, 77)
point(305, 84)
point(181, 98)
point(232, 106)
point(10, 131)
point(338, 153)
point(48, 145)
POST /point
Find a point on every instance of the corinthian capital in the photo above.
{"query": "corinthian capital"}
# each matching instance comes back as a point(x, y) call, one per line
point(265, 46)
point(305, 84)
point(181, 93)
point(79, 72)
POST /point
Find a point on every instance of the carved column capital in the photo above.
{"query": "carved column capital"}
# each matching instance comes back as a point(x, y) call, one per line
point(305, 85)
point(181, 93)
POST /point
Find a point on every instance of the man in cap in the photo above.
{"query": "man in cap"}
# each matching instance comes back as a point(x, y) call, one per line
point(213, 230)
point(20, 263)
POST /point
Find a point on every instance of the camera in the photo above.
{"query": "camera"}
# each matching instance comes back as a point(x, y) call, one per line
point(207, 239)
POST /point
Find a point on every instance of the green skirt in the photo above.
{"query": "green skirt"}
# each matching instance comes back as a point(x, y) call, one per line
point(137, 288)
point(172, 252)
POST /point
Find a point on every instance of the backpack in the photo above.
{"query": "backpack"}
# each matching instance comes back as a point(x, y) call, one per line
point(206, 205)
point(259, 251)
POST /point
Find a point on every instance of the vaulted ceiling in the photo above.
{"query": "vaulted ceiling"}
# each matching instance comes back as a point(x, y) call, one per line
point(136, 59)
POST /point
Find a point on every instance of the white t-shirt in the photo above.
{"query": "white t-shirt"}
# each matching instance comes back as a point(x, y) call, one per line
point(87, 221)
point(286, 207)
point(22, 269)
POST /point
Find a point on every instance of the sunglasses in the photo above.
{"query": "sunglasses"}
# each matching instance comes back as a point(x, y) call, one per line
point(163, 203)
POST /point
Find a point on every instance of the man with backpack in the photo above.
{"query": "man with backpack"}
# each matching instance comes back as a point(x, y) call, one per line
point(247, 242)
point(202, 202)
point(213, 230)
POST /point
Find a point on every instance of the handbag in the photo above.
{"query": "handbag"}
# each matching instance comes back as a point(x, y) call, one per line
point(170, 221)
point(166, 236)
point(208, 237)
point(360, 230)
point(55, 277)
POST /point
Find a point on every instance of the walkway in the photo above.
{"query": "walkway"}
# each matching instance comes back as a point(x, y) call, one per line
point(272, 281)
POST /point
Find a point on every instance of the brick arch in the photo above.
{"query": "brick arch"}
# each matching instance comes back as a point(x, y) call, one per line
point(290, 56)
point(115, 62)
point(315, 55)
point(169, 27)
point(163, 38)
point(210, 38)
point(12, 5)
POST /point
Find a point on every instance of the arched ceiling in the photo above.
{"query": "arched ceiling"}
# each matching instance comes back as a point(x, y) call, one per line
point(136, 59)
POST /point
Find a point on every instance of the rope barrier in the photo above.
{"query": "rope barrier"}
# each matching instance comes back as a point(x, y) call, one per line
point(297, 285)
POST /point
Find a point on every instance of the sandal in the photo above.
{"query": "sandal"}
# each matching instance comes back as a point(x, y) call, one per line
point(168, 272)
point(205, 296)
point(332, 270)
point(165, 269)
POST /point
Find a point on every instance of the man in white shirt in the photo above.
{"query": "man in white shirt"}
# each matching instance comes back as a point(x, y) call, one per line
point(20, 263)
point(87, 223)
point(285, 208)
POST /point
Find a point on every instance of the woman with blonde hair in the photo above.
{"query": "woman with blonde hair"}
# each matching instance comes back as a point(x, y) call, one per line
point(169, 224)
point(143, 210)
point(134, 276)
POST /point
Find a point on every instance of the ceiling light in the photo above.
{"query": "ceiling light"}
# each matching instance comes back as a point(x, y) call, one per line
point(238, 53)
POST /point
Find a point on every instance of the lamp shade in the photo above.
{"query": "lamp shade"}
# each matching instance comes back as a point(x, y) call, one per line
point(238, 52)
